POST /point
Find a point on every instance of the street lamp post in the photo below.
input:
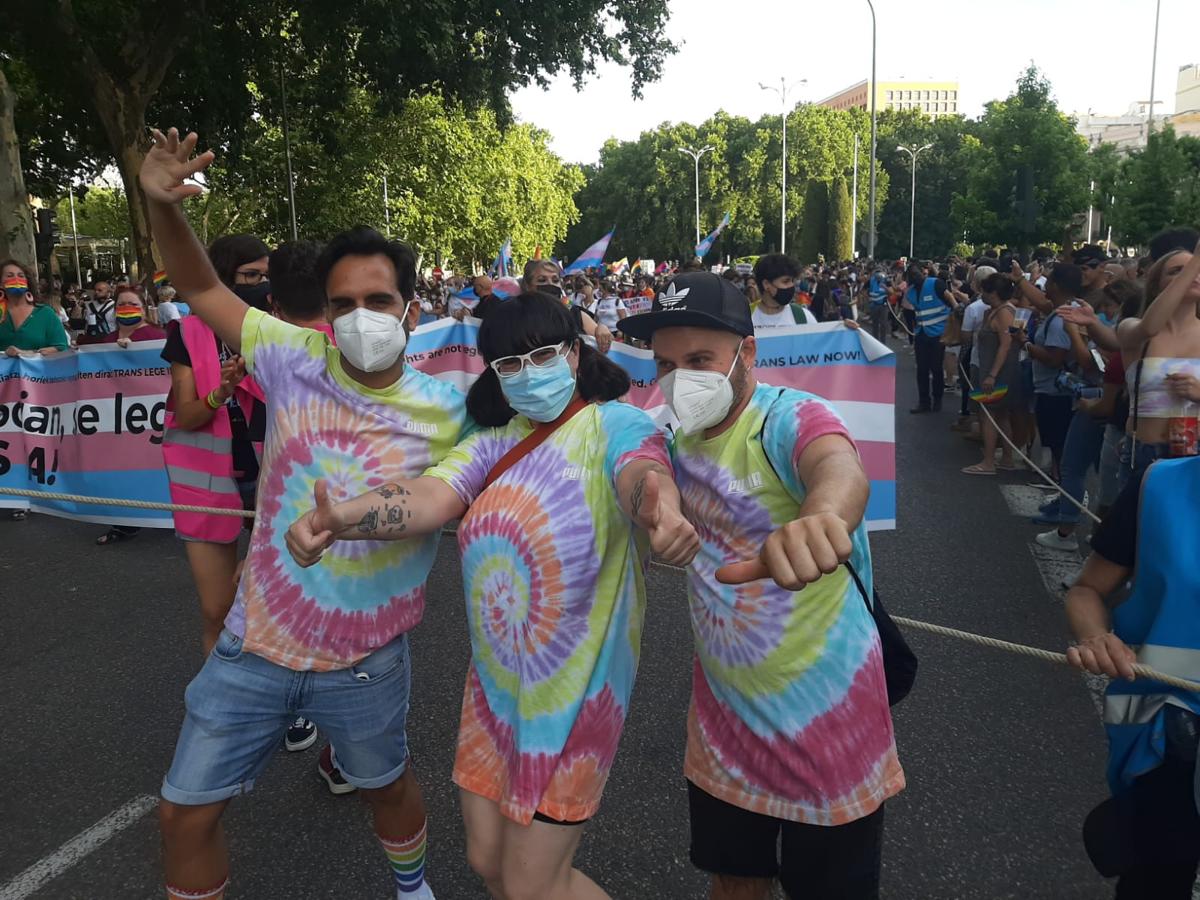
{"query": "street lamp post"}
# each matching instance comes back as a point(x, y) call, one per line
point(871, 200)
point(912, 218)
point(695, 155)
point(1153, 67)
point(782, 91)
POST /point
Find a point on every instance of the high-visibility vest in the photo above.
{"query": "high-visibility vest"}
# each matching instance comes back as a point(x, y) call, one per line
point(199, 461)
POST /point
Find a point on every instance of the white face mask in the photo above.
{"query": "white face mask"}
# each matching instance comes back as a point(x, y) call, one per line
point(371, 341)
point(699, 399)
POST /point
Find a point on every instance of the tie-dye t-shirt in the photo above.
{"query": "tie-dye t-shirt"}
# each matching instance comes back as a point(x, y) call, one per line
point(789, 714)
point(553, 572)
point(323, 424)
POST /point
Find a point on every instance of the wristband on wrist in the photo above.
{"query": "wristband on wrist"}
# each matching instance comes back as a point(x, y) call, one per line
point(212, 402)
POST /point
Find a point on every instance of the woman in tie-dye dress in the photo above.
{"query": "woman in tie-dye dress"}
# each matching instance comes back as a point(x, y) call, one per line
point(554, 546)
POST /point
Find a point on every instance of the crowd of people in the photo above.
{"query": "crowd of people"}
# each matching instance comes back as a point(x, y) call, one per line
point(290, 392)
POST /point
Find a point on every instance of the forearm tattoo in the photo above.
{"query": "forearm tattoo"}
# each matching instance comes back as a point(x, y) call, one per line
point(390, 515)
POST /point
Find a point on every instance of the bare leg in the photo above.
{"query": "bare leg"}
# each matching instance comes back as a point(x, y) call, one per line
point(194, 853)
point(726, 887)
point(536, 863)
point(988, 464)
point(1006, 454)
point(213, 566)
point(485, 840)
point(399, 808)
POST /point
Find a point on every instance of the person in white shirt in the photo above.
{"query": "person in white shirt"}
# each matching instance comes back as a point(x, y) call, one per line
point(167, 310)
point(973, 315)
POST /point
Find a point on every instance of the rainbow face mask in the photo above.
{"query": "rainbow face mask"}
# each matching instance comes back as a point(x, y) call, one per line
point(16, 285)
point(129, 314)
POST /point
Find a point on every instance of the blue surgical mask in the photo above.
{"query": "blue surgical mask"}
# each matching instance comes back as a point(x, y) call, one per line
point(540, 393)
point(1106, 320)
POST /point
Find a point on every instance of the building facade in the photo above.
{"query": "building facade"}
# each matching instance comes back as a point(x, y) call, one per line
point(1128, 131)
point(932, 98)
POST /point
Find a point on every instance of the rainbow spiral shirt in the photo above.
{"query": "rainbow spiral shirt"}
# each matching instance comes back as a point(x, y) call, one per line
point(789, 714)
point(323, 424)
point(553, 573)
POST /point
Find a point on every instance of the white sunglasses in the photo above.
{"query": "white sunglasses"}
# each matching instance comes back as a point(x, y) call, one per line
point(510, 366)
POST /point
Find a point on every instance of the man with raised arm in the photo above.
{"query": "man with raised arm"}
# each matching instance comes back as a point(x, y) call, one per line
point(329, 642)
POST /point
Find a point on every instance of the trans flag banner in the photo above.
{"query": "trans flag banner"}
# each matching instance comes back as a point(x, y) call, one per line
point(705, 245)
point(91, 421)
point(593, 256)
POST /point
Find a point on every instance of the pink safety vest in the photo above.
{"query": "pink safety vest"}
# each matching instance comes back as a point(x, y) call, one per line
point(200, 461)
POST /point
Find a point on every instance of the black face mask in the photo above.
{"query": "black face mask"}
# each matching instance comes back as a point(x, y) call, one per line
point(551, 290)
point(784, 296)
point(254, 294)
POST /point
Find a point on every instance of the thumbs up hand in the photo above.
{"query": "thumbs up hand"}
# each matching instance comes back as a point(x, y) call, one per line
point(312, 534)
point(797, 554)
point(672, 537)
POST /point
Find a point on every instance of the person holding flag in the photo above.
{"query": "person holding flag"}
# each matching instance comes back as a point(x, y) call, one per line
point(789, 731)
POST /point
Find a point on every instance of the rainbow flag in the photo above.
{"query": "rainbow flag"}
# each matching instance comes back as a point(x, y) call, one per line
point(998, 393)
point(160, 277)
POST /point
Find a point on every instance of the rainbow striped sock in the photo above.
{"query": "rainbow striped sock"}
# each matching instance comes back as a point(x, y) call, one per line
point(407, 857)
point(215, 893)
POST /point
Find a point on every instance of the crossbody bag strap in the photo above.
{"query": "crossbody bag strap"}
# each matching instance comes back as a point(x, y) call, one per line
point(540, 434)
point(1137, 396)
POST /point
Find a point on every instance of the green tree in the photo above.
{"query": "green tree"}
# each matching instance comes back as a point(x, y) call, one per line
point(841, 221)
point(100, 212)
point(1024, 136)
point(217, 65)
point(814, 232)
point(1157, 187)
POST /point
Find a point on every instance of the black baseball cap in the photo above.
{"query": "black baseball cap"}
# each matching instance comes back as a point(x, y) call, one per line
point(696, 299)
point(1088, 255)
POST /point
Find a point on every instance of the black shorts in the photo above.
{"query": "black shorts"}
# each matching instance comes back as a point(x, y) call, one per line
point(839, 862)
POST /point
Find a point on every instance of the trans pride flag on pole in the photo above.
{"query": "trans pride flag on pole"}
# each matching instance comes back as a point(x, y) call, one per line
point(593, 256)
point(502, 264)
point(705, 245)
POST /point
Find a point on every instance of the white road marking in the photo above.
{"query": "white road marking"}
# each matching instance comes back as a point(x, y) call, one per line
point(74, 850)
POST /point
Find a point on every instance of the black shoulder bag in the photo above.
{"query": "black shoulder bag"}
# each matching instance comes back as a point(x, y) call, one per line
point(899, 660)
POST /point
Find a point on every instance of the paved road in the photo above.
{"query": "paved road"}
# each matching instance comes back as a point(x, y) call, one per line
point(1004, 755)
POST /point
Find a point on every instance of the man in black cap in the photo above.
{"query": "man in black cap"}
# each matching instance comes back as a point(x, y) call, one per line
point(788, 729)
point(1092, 259)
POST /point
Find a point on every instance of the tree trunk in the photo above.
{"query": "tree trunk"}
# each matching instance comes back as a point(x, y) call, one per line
point(123, 115)
point(16, 218)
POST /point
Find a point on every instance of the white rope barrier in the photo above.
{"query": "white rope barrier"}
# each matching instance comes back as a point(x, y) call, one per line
point(128, 504)
point(981, 640)
point(1049, 482)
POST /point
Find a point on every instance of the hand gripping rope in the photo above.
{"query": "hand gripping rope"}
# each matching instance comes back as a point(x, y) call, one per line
point(979, 639)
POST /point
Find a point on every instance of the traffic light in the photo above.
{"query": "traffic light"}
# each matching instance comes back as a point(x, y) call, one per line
point(47, 233)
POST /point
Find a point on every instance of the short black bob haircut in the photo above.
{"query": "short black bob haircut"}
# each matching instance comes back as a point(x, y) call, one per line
point(524, 323)
point(229, 253)
point(772, 266)
point(364, 241)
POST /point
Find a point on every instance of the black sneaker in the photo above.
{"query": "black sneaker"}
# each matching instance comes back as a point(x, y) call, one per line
point(937, 405)
point(301, 736)
point(331, 774)
point(919, 409)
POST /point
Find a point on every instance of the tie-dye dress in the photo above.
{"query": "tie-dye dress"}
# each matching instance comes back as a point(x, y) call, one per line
point(789, 714)
point(553, 573)
point(323, 424)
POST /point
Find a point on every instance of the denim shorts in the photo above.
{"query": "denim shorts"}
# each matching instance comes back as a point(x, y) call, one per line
point(240, 705)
